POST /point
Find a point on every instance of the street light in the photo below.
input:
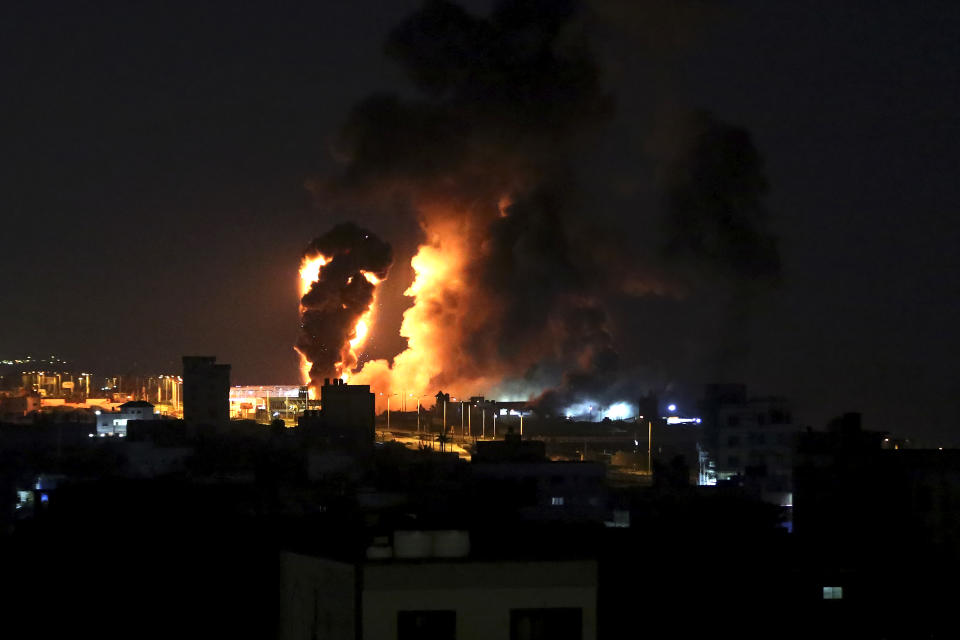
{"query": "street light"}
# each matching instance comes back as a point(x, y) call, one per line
point(418, 410)
point(389, 395)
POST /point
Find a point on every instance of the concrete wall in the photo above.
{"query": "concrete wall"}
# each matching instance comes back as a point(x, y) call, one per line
point(317, 599)
point(481, 593)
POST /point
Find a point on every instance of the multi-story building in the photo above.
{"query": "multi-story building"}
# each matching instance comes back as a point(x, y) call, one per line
point(206, 390)
point(749, 440)
point(345, 422)
point(426, 585)
point(516, 474)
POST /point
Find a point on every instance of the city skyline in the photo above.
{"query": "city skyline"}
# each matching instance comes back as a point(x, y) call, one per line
point(157, 205)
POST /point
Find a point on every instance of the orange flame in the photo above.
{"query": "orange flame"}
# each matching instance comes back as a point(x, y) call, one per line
point(309, 273)
point(438, 322)
point(433, 358)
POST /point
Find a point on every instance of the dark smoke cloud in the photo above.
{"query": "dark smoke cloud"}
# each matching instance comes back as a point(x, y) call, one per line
point(716, 219)
point(505, 98)
point(503, 95)
point(506, 103)
point(717, 232)
point(340, 296)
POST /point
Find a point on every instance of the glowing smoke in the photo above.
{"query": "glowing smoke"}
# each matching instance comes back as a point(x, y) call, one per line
point(339, 276)
point(500, 292)
point(511, 279)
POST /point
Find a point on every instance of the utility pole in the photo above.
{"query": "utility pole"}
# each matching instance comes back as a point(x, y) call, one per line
point(649, 447)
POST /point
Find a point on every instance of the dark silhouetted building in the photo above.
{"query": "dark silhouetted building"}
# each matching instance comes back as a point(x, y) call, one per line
point(345, 423)
point(879, 528)
point(750, 441)
point(349, 406)
point(206, 390)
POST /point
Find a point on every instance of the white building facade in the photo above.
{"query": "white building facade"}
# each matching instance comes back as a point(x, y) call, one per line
point(114, 423)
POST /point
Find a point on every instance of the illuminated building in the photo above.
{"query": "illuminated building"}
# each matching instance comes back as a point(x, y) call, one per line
point(264, 403)
point(114, 423)
point(206, 390)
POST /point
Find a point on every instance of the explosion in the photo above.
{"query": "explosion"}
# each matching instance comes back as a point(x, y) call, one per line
point(339, 274)
point(513, 275)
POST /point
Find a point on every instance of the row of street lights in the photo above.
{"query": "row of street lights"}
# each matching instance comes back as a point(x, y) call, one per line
point(403, 406)
point(465, 428)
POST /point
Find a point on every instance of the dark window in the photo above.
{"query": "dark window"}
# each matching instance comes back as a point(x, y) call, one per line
point(761, 419)
point(733, 461)
point(733, 421)
point(733, 441)
point(426, 625)
point(546, 624)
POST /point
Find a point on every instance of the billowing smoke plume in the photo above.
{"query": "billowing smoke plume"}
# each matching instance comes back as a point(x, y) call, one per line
point(511, 277)
point(716, 229)
point(339, 276)
point(716, 219)
point(501, 291)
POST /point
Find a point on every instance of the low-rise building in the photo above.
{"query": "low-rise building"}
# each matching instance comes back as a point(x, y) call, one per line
point(114, 423)
point(426, 585)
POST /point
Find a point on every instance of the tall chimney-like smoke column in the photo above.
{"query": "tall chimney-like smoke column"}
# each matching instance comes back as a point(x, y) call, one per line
point(339, 276)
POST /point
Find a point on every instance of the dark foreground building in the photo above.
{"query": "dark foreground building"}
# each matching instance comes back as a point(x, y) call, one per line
point(418, 585)
point(206, 390)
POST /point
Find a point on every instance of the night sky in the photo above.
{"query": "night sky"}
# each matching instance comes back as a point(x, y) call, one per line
point(155, 157)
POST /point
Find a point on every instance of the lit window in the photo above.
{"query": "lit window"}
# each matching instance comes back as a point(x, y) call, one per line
point(833, 593)
point(557, 501)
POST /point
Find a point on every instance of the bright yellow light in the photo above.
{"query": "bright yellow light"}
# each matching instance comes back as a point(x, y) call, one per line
point(310, 272)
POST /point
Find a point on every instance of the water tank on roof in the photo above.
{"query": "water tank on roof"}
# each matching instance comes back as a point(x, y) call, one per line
point(451, 544)
point(412, 544)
